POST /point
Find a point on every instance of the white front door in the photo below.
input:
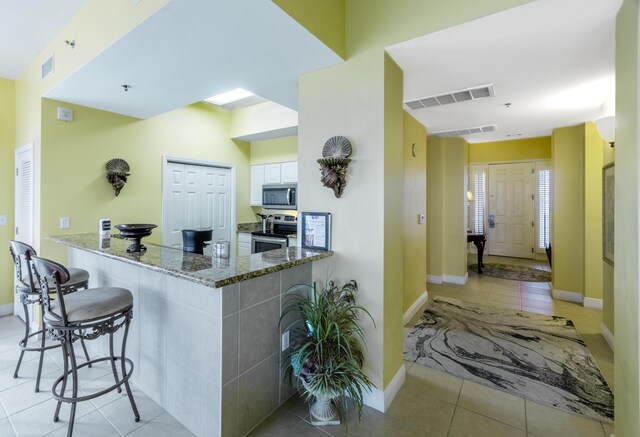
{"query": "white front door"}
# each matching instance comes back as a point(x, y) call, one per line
point(510, 230)
point(195, 196)
point(23, 204)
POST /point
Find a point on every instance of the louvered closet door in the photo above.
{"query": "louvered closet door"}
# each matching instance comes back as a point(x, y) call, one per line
point(23, 203)
point(511, 231)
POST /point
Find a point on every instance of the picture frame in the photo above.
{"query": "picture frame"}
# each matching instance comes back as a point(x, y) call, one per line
point(608, 212)
point(316, 230)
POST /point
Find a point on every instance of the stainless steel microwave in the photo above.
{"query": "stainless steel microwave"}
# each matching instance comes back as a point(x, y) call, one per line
point(280, 196)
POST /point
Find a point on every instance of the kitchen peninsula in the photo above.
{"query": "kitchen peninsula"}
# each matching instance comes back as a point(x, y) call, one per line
point(204, 339)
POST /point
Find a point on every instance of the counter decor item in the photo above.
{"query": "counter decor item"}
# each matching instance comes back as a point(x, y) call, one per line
point(334, 164)
point(316, 230)
point(327, 353)
point(117, 173)
point(135, 232)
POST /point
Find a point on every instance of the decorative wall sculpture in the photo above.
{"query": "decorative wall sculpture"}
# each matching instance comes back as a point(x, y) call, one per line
point(334, 164)
point(117, 173)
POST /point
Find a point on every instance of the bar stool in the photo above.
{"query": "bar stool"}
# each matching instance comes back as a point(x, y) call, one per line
point(29, 293)
point(84, 316)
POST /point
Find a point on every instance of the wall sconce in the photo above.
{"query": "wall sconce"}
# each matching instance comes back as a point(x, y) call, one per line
point(117, 173)
point(607, 129)
point(470, 196)
point(334, 164)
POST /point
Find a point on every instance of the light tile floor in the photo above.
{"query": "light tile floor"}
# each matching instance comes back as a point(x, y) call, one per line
point(436, 404)
point(430, 404)
point(25, 413)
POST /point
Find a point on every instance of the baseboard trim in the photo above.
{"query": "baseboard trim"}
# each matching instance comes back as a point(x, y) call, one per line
point(569, 296)
point(6, 309)
point(434, 279)
point(590, 302)
point(413, 309)
point(381, 400)
point(608, 336)
point(460, 280)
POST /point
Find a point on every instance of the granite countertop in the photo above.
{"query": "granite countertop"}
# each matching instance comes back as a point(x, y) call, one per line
point(213, 272)
point(249, 227)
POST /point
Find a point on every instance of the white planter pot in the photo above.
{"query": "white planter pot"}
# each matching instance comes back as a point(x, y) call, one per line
point(322, 410)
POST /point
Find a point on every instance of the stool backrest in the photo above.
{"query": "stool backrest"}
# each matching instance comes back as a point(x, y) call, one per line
point(50, 273)
point(22, 254)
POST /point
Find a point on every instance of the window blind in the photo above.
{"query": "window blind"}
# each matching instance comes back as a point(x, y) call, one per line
point(544, 218)
point(478, 204)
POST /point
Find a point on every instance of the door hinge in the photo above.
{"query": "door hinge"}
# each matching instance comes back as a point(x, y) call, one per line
point(533, 224)
point(532, 250)
point(533, 197)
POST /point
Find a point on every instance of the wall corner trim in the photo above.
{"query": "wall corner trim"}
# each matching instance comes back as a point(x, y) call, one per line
point(590, 302)
point(460, 280)
point(570, 296)
point(381, 400)
point(608, 336)
point(413, 309)
point(6, 309)
point(434, 279)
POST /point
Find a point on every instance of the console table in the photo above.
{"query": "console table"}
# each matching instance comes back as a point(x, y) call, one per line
point(480, 241)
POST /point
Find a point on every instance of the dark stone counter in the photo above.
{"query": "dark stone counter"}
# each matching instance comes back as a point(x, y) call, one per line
point(202, 269)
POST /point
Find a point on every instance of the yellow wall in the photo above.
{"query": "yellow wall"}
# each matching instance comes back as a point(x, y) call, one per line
point(593, 269)
point(393, 219)
point(74, 155)
point(446, 207)
point(568, 209)
point(627, 221)
point(7, 145)
point(323, 18)
point(415, 202)
point(511, 150)
point(608, 271)
point(274, 150)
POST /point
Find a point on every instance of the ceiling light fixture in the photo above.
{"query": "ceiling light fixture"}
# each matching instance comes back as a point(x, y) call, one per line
point(126, 87)
point(607, 129)
point(229, 97)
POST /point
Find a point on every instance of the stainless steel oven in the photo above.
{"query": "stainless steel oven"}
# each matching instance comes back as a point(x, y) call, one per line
point(261, 243)
point(282, 196)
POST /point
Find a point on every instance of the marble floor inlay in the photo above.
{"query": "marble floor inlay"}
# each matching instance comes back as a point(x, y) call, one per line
point(536, 356)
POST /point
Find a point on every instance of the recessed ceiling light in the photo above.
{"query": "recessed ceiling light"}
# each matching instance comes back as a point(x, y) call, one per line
point(229, 97)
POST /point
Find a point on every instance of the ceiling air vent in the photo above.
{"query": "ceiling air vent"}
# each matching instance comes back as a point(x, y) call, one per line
point(47, 67)
point(466, 131)
point(475, 93)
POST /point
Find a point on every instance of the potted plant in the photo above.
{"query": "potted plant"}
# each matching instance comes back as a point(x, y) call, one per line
point(327, 354)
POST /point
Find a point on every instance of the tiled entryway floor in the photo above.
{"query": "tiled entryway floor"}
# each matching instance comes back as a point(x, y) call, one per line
point(436, 404)
point(24, 413)
point(431, 403)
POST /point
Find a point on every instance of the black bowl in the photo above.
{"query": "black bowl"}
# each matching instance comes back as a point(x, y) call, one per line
point(135, 232)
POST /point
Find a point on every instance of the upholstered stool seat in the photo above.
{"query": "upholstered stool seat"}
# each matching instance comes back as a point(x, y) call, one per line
point(28, 292)
point(90, 305)
point(86, 315)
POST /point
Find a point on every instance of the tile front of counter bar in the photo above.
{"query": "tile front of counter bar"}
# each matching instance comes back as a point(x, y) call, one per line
point(209, 356)
point(212, 272)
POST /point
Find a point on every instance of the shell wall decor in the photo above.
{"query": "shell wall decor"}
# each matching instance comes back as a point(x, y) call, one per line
point(335, 163)
point(117, 173)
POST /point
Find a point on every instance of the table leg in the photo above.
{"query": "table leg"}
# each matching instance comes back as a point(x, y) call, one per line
point(480, 249)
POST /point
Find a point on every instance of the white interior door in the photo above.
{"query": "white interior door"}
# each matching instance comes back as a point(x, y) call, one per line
point(510, 228)
point(23, 204)
point(196, 196)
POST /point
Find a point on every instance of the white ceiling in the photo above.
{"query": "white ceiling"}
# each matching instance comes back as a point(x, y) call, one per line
point(193, 49)
point(553, 60)
point(27, 26)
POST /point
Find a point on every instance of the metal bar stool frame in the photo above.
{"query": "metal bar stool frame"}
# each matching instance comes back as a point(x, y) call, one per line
point(29, 295)
point(47, 273)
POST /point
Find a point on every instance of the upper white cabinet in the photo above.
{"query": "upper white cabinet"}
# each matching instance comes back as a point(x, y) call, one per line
point(257, 181)
point(289, 172)
point(262, 174)
point(272, 173)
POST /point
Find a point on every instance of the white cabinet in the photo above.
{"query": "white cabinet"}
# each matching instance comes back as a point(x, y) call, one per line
point(257, 181)
point(279, 173)
point(272, 173)
point(289, 172)
point(293, 242)
point(244, 244)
